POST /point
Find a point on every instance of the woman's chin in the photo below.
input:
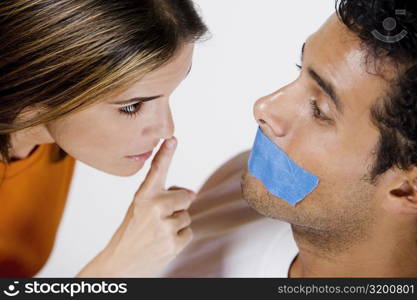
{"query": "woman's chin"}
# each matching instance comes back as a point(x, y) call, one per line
point(123, 171)
point(128, 172)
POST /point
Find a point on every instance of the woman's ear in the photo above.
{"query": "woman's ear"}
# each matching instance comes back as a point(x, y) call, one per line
point(401, 198)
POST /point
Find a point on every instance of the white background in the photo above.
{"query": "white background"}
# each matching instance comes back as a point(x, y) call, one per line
point(252, 52)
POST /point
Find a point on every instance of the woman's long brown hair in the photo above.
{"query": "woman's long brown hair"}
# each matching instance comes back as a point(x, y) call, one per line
point(64, 55)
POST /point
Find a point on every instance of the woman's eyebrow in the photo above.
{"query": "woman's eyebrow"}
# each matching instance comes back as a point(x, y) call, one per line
point(138, 99)
point(143, 99)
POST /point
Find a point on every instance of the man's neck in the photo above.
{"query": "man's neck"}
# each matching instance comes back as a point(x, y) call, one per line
point(385, 254)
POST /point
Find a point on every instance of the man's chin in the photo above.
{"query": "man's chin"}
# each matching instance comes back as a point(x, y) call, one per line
point(256, 195)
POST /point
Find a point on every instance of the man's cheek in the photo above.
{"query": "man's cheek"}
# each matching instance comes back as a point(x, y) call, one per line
point(280, 175)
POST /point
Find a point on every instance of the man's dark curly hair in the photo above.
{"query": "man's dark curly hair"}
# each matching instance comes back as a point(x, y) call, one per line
point(396, 114)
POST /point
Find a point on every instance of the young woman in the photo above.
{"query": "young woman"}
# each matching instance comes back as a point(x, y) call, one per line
point(90, 80)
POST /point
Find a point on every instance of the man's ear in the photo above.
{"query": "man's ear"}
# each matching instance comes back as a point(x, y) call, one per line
point(401, 197)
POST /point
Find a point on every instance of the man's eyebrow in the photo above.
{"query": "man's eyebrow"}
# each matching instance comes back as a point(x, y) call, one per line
point(138, 99)
point(302, 51)
point(327, 87)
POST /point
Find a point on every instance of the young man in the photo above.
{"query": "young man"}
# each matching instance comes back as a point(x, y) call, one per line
point(350, 118)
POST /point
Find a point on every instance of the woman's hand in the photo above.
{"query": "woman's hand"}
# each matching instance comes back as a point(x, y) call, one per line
point(154, 230)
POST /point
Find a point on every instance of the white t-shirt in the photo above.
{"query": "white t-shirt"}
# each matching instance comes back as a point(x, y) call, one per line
point(233, 240)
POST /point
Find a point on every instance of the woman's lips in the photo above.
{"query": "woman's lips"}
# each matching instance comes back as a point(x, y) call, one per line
point(140, 157)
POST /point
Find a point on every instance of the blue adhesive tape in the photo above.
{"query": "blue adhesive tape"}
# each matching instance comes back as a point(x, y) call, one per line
point(281, 176)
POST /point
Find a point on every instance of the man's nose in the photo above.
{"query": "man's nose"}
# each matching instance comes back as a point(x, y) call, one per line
point(272, 115)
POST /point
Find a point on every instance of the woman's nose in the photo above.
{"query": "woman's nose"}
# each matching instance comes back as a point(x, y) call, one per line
point(269, 114)
point(167, 126)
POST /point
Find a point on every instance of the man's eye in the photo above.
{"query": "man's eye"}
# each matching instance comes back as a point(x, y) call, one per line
point(317, 113)
point(131, 110)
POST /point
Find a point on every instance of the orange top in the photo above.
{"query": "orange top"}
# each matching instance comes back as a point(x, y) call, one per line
point(33, 193)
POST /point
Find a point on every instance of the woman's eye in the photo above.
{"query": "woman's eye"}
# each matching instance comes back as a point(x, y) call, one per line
point(131, 110)
point(299, 67)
